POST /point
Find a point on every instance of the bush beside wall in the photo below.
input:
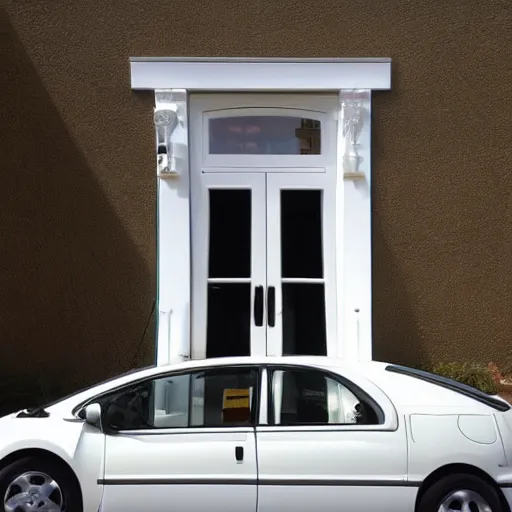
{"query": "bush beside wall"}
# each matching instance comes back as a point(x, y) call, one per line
point(472, 374)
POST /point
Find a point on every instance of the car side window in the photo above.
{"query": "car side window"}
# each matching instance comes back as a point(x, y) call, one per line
point(301, 396)
point(223, 397)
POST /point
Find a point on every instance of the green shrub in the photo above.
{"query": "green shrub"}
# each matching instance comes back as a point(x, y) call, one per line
point(476, 375)
point(506, 367)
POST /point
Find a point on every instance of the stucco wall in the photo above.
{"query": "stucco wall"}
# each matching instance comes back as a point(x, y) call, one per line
point(77, 278)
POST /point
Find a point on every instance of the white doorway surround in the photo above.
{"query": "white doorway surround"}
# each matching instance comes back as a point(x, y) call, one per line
point(271, 260)
point(264, 204)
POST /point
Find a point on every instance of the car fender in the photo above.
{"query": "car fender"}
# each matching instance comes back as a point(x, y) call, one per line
point(79, 445)
point(447, 437)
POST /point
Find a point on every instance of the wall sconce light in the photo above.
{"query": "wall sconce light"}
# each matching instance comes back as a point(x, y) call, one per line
point(353, 115)
point(165, 120)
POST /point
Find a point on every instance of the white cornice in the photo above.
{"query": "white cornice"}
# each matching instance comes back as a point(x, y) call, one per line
point(259, 74)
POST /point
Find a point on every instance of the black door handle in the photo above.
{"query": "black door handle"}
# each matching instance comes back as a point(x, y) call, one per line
point(271, 306)
point(239, 453)
point(258, 306)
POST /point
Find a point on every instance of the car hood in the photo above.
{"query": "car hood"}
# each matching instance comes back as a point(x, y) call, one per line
point(4, 420)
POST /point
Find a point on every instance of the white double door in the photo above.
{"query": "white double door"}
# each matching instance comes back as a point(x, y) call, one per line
point(263, 280)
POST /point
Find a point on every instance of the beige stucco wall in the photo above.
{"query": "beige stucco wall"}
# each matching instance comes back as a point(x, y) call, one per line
point(77, 274)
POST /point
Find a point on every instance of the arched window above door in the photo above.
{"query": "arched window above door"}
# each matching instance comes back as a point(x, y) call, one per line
point(271, 134)
point(261, 131)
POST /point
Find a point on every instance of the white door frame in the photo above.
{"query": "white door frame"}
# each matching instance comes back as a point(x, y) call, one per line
point(171, 79)
point(317, 172)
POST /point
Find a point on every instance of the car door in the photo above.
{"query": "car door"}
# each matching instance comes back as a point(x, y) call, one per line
point(330, 444)
point(182, 442)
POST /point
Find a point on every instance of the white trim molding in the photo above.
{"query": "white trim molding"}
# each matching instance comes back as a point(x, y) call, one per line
point(173, 237)
point(352, 80)
point(259, 74)
point(353, 230)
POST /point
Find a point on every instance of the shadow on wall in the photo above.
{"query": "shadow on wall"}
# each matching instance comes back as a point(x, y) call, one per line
point(395, 328)
point(396, 336)
point(75, 295)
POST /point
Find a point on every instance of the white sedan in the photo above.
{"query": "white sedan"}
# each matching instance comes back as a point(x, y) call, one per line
point(261, 435)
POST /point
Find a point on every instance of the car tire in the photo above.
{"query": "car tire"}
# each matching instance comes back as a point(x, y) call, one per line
point(458, 488)
point(24, 479)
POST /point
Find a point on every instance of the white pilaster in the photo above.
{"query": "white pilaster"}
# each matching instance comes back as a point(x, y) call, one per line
point(173, 219)
point(353, 236)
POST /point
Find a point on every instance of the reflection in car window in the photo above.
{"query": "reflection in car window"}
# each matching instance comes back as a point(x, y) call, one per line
point(212, 398)
point(312, 397)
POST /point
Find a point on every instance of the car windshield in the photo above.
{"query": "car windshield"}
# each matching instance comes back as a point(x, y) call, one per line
point(106, 381)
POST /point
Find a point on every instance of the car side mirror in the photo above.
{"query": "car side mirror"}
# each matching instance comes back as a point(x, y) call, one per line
point(93, 415)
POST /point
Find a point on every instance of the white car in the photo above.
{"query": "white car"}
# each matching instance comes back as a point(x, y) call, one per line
point(261, 435)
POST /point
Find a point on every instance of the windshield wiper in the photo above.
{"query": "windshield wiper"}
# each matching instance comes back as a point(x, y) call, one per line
point(33, 412)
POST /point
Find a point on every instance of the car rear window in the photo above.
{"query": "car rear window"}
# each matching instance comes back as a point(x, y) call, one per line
point(453, 385)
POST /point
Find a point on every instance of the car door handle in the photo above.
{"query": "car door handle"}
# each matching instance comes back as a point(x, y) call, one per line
point(271, 306)
point(258, 306)
point(239, 453)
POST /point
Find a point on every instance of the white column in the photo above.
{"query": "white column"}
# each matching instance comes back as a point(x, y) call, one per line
point(173, 226)
point(353, 236)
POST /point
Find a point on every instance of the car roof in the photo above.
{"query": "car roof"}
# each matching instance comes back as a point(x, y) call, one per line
point(324, 361)
point(363, 368)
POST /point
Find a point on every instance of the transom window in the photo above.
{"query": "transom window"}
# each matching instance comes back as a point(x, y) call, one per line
point(273, 133)
point(264, 135)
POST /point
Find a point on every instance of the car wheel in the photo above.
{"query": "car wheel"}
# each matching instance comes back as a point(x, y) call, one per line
point(36, 484)
point(460, 492)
